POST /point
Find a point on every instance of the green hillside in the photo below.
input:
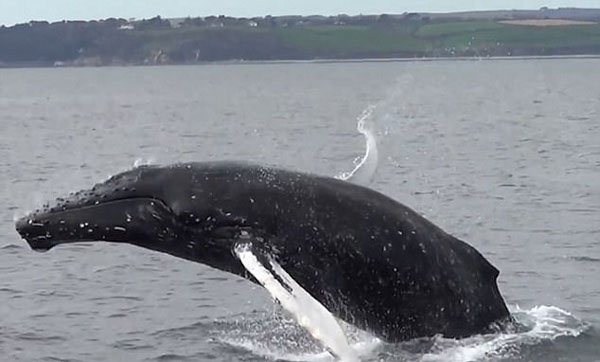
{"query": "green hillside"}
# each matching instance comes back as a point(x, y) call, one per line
point(156, 41)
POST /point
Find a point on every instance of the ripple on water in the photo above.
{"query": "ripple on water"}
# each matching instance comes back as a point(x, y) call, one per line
point(585, 259)
point(131, 345)
point(11, 246)
point(10, 291)
point(58, 359)
point(197, 328)
point(38, 337)
point(116, 297)
point(12, 249)
point(117, 315)
point(171, 357)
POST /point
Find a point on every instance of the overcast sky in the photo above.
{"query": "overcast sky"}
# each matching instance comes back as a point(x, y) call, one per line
point(20, 11)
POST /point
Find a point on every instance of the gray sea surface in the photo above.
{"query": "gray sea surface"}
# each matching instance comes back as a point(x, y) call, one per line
point(504, 154)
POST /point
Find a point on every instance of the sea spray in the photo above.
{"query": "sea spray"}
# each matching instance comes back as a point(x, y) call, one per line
point(364, 170)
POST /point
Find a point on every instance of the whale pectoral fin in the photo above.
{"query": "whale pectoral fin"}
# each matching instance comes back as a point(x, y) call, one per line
point(306, 310)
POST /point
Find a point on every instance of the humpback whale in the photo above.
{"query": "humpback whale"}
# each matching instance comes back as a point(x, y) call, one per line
point(368, 259)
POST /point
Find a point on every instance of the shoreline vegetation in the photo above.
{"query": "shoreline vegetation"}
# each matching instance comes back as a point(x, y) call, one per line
point(409, 36)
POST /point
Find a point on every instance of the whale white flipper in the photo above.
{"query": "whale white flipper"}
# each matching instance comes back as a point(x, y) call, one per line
point(307, 311)
point(365, 170)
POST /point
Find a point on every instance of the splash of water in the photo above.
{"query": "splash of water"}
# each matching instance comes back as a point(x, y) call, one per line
point(364, 170)
point(542, 323)
point(281, 339)
point(276, 336)
point(361, 348)
point(143, 162)
point(308, 312)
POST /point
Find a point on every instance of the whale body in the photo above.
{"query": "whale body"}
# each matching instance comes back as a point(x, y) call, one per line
point(370, 260)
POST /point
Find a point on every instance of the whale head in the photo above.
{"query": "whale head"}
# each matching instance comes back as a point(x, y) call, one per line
point(148, 206)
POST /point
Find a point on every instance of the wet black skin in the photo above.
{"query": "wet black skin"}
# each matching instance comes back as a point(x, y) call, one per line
point(370, 260)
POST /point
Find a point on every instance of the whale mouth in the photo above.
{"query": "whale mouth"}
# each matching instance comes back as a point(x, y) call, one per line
point(42, 243)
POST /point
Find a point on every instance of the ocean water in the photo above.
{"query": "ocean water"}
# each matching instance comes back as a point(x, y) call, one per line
point(504, 154)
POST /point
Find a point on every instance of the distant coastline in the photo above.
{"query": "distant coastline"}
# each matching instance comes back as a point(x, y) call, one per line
point(219, 39)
